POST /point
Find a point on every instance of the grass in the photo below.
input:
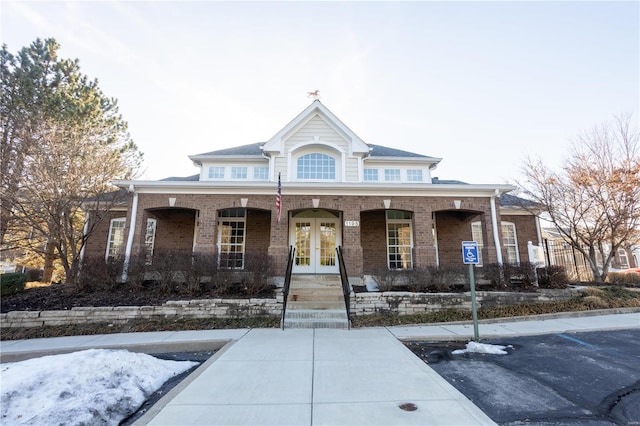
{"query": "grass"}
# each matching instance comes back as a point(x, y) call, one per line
point(591, 298)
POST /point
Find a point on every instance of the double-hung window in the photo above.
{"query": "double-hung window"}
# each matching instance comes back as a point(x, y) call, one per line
point(116, 237)
point(510, 242)
point(399, 240)
point(231, 238)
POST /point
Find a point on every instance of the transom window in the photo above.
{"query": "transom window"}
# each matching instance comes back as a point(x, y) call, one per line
point(414, 175)
point(392, 175)
point(216, 172)
point(316, 166)
point(238, 173)
point(231, 238)
point(370, 175)
point(399, 240)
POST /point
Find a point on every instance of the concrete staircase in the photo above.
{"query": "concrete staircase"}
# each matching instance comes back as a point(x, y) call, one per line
point(316, 301)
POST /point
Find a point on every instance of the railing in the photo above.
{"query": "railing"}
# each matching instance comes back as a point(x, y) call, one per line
point(346, 288)
point(287, 283)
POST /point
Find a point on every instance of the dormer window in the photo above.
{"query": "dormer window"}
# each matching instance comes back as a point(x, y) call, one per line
point(316, 166)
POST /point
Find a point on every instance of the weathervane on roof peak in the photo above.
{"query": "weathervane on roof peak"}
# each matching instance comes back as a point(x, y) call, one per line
point(314, 95)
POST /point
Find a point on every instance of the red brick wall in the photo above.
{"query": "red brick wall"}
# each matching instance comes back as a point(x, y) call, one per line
point(453, 227)
point(525, 231)
point(258, 231)
point(174, 229)
point(97, 243)
point(374, 241)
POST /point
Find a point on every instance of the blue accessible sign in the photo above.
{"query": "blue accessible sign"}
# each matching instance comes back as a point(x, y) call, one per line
point(470, 253)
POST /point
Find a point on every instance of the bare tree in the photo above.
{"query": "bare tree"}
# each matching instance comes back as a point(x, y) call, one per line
point(594, 199)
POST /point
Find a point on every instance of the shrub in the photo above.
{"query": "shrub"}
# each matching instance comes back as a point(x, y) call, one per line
point(494, 272)
point(386, 278)
point(98, 274)
point(624, 278)
point(166, 268)
point(260, 266)
point(12, 283)
point(443, 278)
point(523, 274)
point(553, 276)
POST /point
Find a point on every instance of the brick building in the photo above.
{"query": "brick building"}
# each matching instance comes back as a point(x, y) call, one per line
point(381, 205)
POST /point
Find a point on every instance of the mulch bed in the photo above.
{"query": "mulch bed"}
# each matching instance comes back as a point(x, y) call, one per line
point(65, 296)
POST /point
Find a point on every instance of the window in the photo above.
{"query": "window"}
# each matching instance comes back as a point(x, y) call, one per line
point(476, 235)
point(238, 173)
point(150, 240)
point(414, 175)
point(261, 173)
point(231, 237)
point(391, 175)
point(216, 172)
point(399, 240)
point(510, 242)
point(371, 175)
point(624, 260)
point(316, 166)
point(116, 237)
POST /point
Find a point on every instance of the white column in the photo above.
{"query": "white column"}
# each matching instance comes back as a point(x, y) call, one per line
point(132, 231)
point(494, 222)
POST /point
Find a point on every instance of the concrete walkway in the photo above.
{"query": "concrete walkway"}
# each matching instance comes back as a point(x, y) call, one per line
point(318, 377)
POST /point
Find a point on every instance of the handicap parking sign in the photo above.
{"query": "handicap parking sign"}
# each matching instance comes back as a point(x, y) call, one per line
point(470, 253)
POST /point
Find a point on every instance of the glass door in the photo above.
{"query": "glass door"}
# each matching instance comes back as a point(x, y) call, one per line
point(315, 241)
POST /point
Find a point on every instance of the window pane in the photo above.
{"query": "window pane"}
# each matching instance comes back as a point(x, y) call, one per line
point(231, 238)
point(392, 174)
point(510, 242)
point(260, 173)
point(238, 173)
point(370, 175)
point(316, 166)
point(149, 240)
point(414, 175)
point(216, 172)
point(399, 245)
point(116, 237)
point(476, 235)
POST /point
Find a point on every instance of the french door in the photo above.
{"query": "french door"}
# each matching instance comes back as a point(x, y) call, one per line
point(315, 240)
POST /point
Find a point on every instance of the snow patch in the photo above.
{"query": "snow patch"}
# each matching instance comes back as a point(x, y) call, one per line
point(96, 386)
point(482, 348)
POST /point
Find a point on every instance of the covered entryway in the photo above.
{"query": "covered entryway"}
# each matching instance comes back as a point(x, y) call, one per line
point(315, 234)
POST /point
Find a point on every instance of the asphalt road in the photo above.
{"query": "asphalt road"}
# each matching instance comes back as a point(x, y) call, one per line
point(561, 379)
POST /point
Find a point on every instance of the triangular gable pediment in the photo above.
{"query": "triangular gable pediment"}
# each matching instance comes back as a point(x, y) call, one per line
point(316, 109)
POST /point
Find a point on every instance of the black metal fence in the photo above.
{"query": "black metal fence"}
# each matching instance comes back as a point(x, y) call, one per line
point(562, 254)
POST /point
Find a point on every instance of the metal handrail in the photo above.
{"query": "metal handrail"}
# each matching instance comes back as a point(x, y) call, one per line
point(287, 283)
point(346, 288)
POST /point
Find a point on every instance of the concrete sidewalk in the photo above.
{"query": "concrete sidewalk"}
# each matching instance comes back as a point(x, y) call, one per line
point(317, 377)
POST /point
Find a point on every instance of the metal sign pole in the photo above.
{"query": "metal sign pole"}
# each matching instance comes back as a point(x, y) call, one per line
point(474, 308)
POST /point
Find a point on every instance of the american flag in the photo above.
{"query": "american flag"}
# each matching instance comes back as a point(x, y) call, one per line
point(279, 199)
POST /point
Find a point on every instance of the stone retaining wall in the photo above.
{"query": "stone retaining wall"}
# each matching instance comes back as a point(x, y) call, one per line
point(205, 308)
point(406, 303)
point(403, 303)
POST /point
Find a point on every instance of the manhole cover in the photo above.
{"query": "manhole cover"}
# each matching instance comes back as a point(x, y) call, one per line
point(408, 406)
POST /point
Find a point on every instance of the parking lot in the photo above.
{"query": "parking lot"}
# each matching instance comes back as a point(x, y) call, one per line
point(588, 378)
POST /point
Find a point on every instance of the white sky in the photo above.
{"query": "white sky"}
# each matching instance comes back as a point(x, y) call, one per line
point(479, 84)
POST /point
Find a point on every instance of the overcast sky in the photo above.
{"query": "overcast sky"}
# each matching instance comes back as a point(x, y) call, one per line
point(479, 84)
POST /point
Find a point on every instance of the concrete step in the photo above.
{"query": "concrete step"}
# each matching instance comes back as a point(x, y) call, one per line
point(310, 318)
point(315, 304)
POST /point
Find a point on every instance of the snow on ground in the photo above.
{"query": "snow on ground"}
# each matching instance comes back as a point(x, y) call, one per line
point(482, 348)
point(95, 386)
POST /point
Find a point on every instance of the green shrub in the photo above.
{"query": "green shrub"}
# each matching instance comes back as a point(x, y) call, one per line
point(12, 283)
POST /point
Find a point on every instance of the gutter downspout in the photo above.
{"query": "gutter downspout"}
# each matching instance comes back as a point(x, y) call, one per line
point(494, 222)
point(132, 230)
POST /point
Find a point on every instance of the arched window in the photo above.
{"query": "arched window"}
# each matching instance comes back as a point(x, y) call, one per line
point(316, 166)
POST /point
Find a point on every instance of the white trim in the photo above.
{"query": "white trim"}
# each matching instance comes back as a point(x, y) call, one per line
point(132, 230)
point(434, 233)
point(494, 223)
point(85, 229)
point(515, 238)
point(115, 219)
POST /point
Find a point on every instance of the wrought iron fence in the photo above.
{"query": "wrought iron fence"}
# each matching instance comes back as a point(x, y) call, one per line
point(563, 254)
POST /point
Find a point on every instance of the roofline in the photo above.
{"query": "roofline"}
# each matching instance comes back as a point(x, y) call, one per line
point(314, 188)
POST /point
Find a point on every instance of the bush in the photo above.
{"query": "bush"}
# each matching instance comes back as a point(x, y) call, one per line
point(442, 278)
point(98, 274)
point(624, 278)
point(553, 276)
point(523, 274)
point(386, 278)
point(12, 283)
point(260, 267)
point(494, 272)
point(416, 279)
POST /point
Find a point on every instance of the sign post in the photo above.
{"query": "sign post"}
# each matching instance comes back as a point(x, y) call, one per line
point(470, 257)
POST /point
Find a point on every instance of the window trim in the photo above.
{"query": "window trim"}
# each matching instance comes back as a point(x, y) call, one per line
point(235, 219)
point(373, 170)
point(480, 242)
point(333, 165)
point(215, 176)
point(419, 175)
point(396, 173)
